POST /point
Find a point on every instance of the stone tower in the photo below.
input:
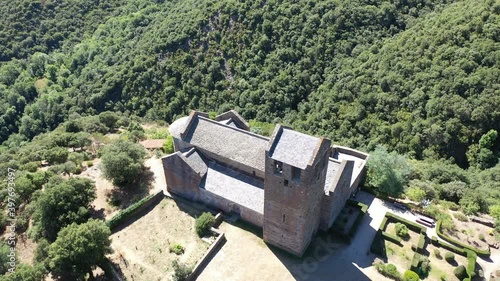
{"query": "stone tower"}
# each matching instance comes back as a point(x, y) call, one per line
point(295, 170)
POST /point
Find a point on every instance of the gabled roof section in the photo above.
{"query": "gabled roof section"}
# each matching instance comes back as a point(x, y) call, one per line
point(190, 159)
point(178, 126)
point(294, 148)
point(235, 186)
point(195, 161)
point(232, 117)
point(226, 141)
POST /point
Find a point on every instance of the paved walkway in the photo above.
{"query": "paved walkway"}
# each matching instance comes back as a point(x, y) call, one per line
point(246, 257)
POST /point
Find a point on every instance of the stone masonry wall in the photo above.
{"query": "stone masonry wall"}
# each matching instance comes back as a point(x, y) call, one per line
point(334, 202)
point(181, 179)
point(292, 211)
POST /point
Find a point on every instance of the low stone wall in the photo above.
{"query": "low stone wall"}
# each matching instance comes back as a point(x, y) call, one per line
point(134, 211)
point(212, 250)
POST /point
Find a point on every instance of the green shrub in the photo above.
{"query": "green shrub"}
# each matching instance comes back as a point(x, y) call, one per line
point(401, 230)
point(449, 247)
point(90, 164)
point(449, 257)
point(411, 225)
point(203, 224)
point(443, 278)
point(392, 271)
point(421, 242)
point(425, 266)
point(115, 201)
point(168, 146)
point(358, 220)
point(181, 271)
point(30, 167)
point(460, 272)
point(176, 249)
point(481, 237)
point(77, 170)
point(449, 205)
point(410, 276)
point(471, 263)
point(461, 217)
point(388, 270)
point(437, 254)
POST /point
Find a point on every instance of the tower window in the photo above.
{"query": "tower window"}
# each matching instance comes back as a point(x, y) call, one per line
point(285, 182)
point(283, 218)
point(295, 174)
point(278, 167)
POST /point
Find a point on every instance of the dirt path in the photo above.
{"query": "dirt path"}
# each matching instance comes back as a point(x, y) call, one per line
point(490, 266)
point(155, 165)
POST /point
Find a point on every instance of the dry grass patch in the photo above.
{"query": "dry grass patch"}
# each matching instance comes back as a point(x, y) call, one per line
point(142, 249)
point(472, 233)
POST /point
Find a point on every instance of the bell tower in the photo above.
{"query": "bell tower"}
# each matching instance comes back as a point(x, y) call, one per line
point(295, 171)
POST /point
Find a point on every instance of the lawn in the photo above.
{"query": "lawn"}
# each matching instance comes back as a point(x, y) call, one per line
point(440, 267)
point(142, 248)
point(400, 256)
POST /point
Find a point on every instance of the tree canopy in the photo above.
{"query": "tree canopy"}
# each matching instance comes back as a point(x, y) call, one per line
point(80, 247)
point(62, 204)
point(122, 161)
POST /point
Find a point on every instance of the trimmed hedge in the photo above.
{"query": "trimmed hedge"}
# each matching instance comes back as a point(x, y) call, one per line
point(377, 246)
point(392, 238)
point(449, 247)
point(415, 262)
point(460, 244)
point(359, 218)
point(421, 242)
point(411, 225)
point(384, 223)
point(471, 263)
point(124, 214)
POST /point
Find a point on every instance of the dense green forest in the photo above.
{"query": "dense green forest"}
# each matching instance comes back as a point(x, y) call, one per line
point(418, 77)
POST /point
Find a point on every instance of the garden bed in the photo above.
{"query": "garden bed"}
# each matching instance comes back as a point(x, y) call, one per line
point(439, 266)
point(349, 219)
point(472, 233)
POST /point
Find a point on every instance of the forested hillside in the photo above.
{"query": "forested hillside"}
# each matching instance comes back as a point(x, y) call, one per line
point(432, 90)
point(419, 76)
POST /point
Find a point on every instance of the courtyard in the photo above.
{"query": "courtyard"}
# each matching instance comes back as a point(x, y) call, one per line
point(141, 249)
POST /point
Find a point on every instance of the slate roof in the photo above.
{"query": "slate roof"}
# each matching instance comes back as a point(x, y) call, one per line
point(195, 161)
point(226, 141)
point(234, 186)
point(331, 172)
point(294, 148)
point(178, 127)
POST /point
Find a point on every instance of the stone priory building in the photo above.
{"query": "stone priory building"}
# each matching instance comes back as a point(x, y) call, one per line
point(291, 184)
